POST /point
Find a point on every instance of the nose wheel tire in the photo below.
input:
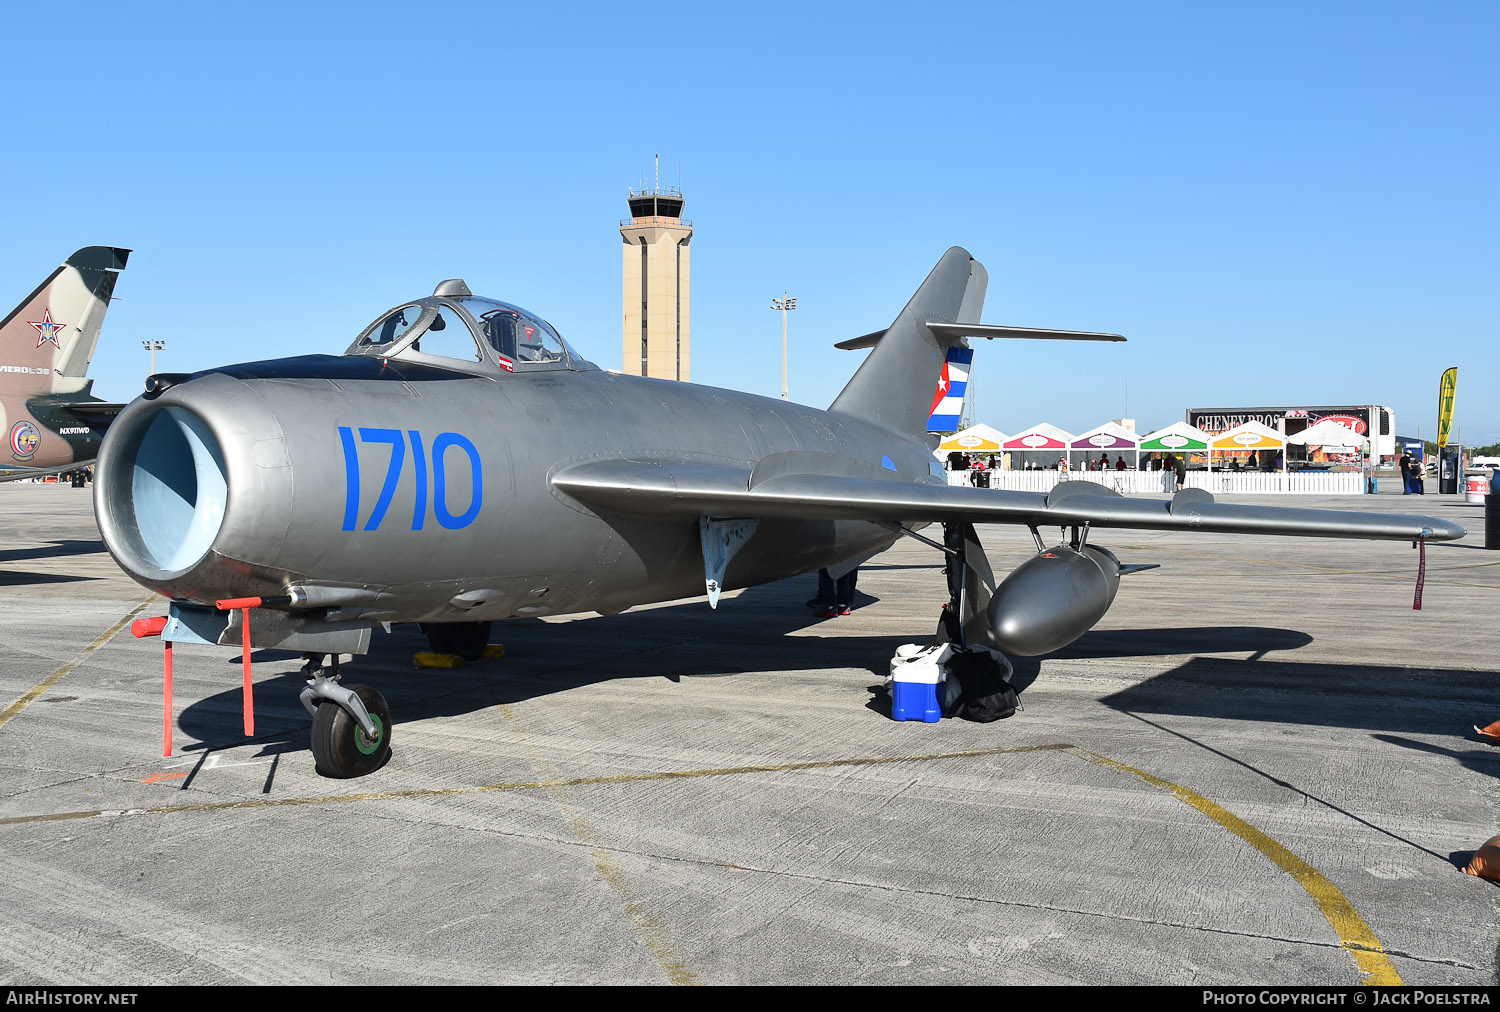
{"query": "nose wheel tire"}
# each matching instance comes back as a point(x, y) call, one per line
point(340, 745)
point(467, 639)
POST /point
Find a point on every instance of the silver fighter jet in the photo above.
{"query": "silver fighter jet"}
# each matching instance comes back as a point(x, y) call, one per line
point(460, 463)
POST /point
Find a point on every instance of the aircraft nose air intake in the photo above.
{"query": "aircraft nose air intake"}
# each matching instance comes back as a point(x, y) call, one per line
point(166, 485)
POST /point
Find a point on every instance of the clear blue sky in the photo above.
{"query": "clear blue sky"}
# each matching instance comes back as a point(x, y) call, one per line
point(1276, 202)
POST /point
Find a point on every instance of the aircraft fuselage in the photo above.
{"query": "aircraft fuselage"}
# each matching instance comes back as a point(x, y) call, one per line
point(417, 486)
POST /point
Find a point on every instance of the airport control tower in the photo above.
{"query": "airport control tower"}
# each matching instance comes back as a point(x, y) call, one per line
point(655, 284)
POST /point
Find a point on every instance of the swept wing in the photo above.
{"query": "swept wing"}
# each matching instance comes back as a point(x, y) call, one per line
point(657, 487)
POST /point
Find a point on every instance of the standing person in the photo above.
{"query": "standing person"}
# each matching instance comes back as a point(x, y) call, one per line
point(824, 600)
point(1405, 465)
point(1104, 462)
point(1178, 466)
point(1120, 463)
point(979, 474)
point(835, 597)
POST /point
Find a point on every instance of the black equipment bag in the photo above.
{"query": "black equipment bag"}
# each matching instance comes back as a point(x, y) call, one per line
point(976, 688)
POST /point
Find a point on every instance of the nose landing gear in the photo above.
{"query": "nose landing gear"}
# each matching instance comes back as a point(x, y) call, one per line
point(351, 729)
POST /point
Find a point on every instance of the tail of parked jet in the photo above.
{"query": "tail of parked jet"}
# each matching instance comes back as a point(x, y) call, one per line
point(49, 339)
point(895, 385)
point(51, 420)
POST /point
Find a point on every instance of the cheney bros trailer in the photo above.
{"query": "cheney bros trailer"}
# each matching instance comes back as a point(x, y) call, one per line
point(1291, 420)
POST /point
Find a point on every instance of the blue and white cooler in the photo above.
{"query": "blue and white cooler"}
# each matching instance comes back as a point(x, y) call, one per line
point(916, 674)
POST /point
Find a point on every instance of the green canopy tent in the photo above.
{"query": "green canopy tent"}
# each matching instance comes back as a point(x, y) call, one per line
point(1179, 437)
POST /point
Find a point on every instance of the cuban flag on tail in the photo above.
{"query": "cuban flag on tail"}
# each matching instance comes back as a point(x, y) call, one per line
point(948, 401)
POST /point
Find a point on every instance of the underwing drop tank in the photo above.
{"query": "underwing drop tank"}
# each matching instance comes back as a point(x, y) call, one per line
point(1052, 599)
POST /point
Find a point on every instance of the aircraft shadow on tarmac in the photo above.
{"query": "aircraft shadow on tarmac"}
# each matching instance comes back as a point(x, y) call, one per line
point(55, 550)
point(679, 641)
point(687, 640)
point(23, 578)
point(1481, 758)
point(1369, 697)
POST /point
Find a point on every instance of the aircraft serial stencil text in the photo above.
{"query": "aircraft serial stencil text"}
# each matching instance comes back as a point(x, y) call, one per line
point(397, 440)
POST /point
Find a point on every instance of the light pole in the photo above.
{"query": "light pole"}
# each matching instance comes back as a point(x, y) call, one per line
point(153, 347)
point(786, 305)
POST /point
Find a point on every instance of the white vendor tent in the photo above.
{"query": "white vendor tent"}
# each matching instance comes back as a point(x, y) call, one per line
point(1043, 443)
point(1249, 436)
point(1331, 436)
point(1175, 438)
point(1109, 436)
point(979, 438)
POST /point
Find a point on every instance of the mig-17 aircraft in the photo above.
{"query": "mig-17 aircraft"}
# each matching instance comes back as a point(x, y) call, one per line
point(461, 463)
point(52, 420)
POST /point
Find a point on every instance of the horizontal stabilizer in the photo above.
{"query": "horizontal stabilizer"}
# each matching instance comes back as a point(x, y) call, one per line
point(988, 331)
point(93, 409)
point(863, 341)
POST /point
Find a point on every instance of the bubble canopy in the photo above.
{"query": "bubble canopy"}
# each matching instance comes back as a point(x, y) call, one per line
point(469, 332)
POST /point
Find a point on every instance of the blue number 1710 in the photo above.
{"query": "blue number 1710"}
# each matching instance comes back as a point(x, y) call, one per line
point(397, 440)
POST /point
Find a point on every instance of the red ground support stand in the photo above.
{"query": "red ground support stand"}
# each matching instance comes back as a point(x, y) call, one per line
point(244, 604)
point(141, 628)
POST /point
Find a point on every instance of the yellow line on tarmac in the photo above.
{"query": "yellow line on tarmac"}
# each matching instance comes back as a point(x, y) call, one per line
point(60, 673)
point(1354, 934)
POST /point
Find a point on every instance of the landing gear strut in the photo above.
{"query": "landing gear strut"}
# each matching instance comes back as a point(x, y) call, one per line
point(970, 581)
point(351, 729)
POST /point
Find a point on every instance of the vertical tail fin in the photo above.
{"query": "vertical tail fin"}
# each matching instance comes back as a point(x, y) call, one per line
point(894, 385)
point(50, 337)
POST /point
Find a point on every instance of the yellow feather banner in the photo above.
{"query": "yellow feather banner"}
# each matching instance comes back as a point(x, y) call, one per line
point(1446, 390)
